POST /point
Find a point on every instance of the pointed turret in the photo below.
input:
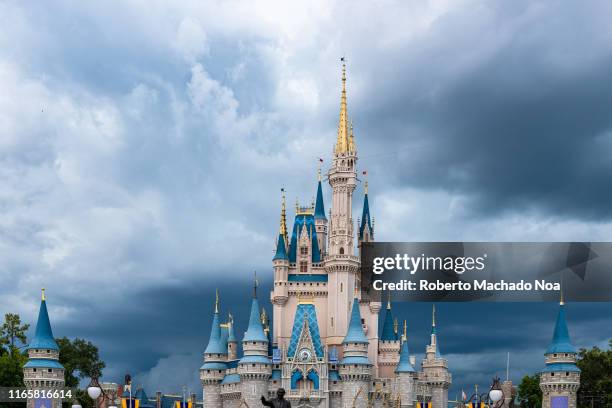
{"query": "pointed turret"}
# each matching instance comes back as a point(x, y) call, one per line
point(435, 368)
point(43, 336)
point(388, 330)
point(319, 212)
point(43, 368)
point(281, 243)
point(404, 365)
point(215, 342)
point(355, 332)
point(366, 231)
point(560, 378)
point(561, 342)
point(255, 367)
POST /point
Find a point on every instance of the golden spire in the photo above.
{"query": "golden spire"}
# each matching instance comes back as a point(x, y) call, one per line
point(283, 220)
point(561, 299)
point(405, 335)
point(342, 144)
point(255, 284)
point(395, 326)
point(319, 172)
point(230, 319)
point(216, 300)
point(389, 300)
point(43, 294)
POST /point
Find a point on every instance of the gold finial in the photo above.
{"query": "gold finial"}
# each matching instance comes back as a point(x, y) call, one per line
point(43, 294)
point(395, 326)
point(342, 144)
point(230, 319)
point(216, 300)
point(319, 173)
point(405, 335)
point(283, 220)
point(561, 299)
point(389, 300)
point(433, 315)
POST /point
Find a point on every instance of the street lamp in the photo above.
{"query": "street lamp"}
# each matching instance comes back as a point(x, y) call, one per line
point(496, 394)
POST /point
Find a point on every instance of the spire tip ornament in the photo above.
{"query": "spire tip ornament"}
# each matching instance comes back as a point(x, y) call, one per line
point(43, 294)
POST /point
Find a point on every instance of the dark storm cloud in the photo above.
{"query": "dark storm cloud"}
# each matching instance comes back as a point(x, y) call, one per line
point(510, 108)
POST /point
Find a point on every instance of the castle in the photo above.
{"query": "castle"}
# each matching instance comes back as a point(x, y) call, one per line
point(323, 346)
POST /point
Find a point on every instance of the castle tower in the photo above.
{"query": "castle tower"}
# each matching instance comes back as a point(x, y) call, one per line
point(43, 369)
point(560, 379)
point(215, 362)
point(388, 345)
point(281, 272)
point(320, 218)
point(341, 264)
point(254, 367)
point(355, 367)
point(435, 369)
point(405, 374)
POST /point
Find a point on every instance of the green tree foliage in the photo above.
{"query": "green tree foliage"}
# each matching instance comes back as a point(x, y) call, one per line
point(595, 377)
point(529, 389)
point(80, 359)
point(12, 330)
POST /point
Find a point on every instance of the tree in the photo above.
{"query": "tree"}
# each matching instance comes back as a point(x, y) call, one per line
point(529, 389)
point(12, 330)
point(80, 359)
point(595, 377)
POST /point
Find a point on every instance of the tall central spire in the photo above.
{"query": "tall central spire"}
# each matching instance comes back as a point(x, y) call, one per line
point(342, 144)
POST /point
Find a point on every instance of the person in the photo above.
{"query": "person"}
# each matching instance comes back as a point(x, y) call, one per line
point(278, 402)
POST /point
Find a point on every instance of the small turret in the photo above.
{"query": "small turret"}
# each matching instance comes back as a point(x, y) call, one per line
point(215, 360)
point(320, 218)
point(405, 373)
point(560, 379)
point(281, 257)
point(43, 368)
point(366, 230)
point(355, 367)
point(254, 367)
point(388, 330)
point(435, 369)
point(232, 343)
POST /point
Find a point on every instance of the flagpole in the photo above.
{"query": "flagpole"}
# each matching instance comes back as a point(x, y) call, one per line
point(508, 367)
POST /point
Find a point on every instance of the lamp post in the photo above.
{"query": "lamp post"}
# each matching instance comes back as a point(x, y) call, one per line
point(496, 394)
point(94, 390)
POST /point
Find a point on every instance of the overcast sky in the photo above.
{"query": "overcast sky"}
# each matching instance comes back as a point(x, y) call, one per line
point(143, 146)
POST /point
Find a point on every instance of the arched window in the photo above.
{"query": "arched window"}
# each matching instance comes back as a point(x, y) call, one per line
point(341, 251)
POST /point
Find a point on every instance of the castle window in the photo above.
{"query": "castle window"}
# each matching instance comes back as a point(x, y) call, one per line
point(304, 250)
point(303, 266)
point(566, 373)
point(34, 370)
point(340, 287)
point(49, 370)
point(341, 251)
point(332, 322)
point(552, 374)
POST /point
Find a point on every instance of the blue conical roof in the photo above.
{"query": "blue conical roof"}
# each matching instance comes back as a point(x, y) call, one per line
point(281, 248)
point(215, 343)
point(355, 332)
point(43, 336)
point(561, 342)
point(365, 216)
point(404, 365)
point(319, 207)
point(388, 332)
point(255, 332)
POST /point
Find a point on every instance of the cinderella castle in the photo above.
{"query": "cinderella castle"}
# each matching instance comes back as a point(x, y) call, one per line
point(323, 345)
